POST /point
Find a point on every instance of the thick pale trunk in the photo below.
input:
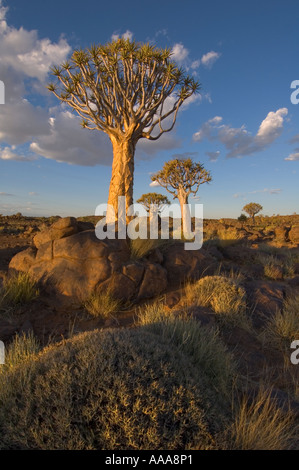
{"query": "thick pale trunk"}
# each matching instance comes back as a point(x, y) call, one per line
point(186, 216)
point(122, 178)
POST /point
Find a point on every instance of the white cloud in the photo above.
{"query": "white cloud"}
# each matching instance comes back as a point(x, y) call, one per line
point(24, 52)
point(271, 126)
point(238, 141)
point(210, 58)
point(7, 153)
point(179, 53)
point(20, 121)
point(293, 157)
point(33, 193)
point(25, 63)
point(127, 35)
point(68, 142)
point(154, 183)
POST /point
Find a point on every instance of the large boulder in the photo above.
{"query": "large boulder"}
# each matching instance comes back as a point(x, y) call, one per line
point(60, 229)
point(76, 263)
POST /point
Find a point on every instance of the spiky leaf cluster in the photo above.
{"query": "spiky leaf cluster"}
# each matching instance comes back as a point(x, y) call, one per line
point(121, 88)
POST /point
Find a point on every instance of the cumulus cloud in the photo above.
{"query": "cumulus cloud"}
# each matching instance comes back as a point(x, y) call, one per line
point(210, 58)
point(8, 153)
point(238, 141)
point(21, 121)
point(293, 157)
point(68, 142)
point(179, 53)
point(127, 35)
point(23, 52)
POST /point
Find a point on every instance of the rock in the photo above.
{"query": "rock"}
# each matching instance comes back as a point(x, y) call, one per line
point(23, 260)
point(155, 256)
point(294, 282)
point(74, 265)
point(182, 264)
point(154, 281)
point(213, 251)
point(82, 226)
point(264, 299)
point(239, 253)
point(134, 271)
point(121, 287)
point(294, 234)
point(62, 228)
point(281, 233)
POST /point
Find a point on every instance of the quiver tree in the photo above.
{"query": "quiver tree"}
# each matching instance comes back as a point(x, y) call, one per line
point(129, 91)
point(182, 177)
point(252, 209)
point(153, 202)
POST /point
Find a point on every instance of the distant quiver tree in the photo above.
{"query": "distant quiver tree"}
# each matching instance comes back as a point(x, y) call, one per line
point(252, 209)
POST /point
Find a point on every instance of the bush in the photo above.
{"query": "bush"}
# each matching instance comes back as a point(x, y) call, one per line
point(203, 345)
point(222, 294)
point(109, 389)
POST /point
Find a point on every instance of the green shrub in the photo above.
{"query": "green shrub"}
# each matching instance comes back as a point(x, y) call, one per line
point(109, 389)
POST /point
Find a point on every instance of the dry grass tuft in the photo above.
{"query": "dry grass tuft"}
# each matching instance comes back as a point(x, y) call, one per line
point(260, 425)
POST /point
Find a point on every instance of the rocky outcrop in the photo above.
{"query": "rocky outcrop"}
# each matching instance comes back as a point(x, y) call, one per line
point(76, 263)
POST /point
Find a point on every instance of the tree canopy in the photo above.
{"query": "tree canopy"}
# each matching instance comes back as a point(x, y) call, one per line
point(153, 199)
point(121, 88)
point(252, 209)
point(182, 175)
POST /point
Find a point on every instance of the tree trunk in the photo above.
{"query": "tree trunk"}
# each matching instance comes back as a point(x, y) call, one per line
point(186, 216)
point(122, 178)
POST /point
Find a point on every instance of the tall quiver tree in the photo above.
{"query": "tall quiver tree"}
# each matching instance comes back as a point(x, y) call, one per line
point(182, 177)
point(127, 90)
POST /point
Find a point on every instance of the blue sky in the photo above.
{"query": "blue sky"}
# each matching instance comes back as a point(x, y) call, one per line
point(243, 127)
